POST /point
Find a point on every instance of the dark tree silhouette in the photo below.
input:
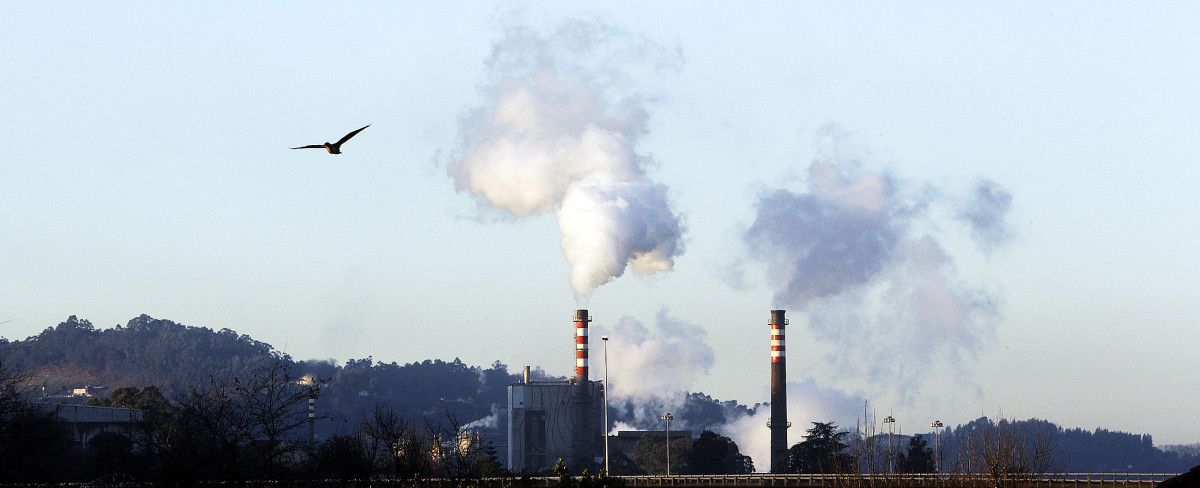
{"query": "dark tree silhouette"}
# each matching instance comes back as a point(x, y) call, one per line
point(34, 445)
point(245, 426)
point(342, 458)
point(918, 458)
point(650, 454)
point(716, 454)
point(821, 451)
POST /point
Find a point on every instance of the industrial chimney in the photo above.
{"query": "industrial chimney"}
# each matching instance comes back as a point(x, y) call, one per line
point(778, 423)
point(581, 346)
point(582, 431)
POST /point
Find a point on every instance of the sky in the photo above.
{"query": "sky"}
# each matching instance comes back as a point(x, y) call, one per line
point(967, 209)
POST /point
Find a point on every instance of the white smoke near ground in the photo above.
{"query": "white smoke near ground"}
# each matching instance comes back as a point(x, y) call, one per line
point(558, 132)
point(807, 403)
point(617, 427)
point(484, 423)
point(852, 258)
point(652, 368)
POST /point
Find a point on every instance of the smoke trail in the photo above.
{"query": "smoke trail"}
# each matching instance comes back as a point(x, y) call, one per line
point(490, 421)
point(652, 369)
point(850, 254)
point(558, 131)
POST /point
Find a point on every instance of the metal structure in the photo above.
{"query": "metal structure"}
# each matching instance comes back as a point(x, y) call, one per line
point(667, 418)
point(778, 422)
point(937, 432)
point(891, 454)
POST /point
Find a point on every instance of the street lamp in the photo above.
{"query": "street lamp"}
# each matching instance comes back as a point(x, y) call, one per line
point(667, 418)
point(937, 431)
point(891, 423)
point(605, 339)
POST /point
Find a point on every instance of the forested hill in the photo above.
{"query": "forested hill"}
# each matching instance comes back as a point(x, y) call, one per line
point(1068, 449)
point(176, 358)
point(145, 351)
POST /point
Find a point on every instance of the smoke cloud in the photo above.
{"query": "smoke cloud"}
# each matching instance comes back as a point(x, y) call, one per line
point(652, 366)
point(807, 402)
point(832, 238)
point(558, 132)
point(852, 254)
point(986, 213)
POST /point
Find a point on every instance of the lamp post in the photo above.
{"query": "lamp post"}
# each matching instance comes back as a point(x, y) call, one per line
point(937, 431)
point(891, 423)
point(667, 418)
point(605, 340)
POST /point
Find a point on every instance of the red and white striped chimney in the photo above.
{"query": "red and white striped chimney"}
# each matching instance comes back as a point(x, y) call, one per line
point(778, 423)
point(581, 345)
point(777, 323)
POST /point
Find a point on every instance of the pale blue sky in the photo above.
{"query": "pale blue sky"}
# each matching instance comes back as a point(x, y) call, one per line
point(146, 170)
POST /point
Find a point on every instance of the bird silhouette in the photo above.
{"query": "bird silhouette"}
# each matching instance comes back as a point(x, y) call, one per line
point(335, 148)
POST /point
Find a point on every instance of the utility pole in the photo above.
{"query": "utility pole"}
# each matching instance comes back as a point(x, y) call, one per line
point(667, 417)
point(937, 432)
point(891, 423)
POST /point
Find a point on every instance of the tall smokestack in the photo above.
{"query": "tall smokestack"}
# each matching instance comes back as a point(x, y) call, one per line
point(582, 430)
point(778, 423)
point(581, 346)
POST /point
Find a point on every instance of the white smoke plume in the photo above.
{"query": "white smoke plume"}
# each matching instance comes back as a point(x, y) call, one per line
point(651, 368)
point(807, 403)
point(850, 255)
point(484, 423)
point(558, 132)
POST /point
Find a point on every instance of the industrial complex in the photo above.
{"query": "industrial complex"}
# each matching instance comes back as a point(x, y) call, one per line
point(552, 420)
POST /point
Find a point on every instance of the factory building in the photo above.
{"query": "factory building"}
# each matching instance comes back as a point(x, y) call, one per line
point(552, 420)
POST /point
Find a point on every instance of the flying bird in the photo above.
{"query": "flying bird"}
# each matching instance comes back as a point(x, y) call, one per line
point(335, 148)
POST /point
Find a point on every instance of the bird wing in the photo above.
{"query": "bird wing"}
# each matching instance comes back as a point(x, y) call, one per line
point(351, 134)
point(311, 146)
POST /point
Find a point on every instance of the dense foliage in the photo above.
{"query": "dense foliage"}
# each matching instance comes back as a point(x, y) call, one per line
point(713, 453)
point(1071, 449)
point(177, 358)
point(246, 427)
point(823, 450)
point(708, 453)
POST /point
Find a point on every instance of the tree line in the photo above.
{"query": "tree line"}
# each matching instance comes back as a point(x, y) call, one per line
point(252, 426)
point(996, 448)
point(185, 364)
point(175, 358)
